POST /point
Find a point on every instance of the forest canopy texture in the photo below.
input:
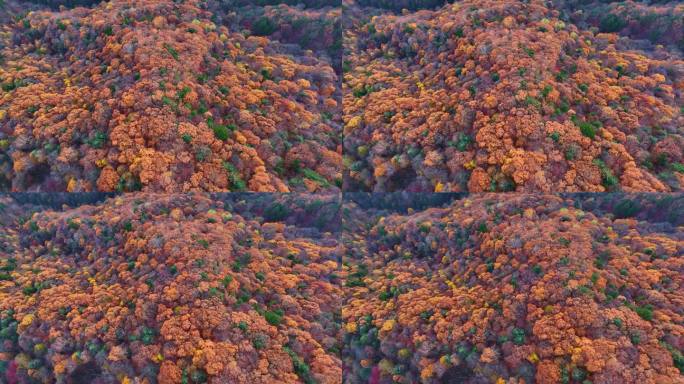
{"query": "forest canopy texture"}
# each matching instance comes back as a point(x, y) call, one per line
point(514, 289)
point(527, 96)
point(377, 288)
point(341, 192)
point(170, 289)
point(169, 96)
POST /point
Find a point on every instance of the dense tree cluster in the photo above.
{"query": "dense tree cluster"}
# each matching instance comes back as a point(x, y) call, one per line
point(660, 22)
point(150, 288)
point(153, 95)
point(505, 95)
point(513, 289)
point(318, 29)
point(309, 211)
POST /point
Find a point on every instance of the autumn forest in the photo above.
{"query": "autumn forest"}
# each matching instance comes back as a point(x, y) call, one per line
point(341, 192)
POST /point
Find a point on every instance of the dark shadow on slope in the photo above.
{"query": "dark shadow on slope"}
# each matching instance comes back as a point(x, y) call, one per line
point(302, 23)
point(307, 3)
point(456, 374)
point(85, 374)
point(398, 5)
point(66, 3)
point(321, 212)
point(656, 21)
point(649, 207)
point(58, 200)
point(401, 201)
